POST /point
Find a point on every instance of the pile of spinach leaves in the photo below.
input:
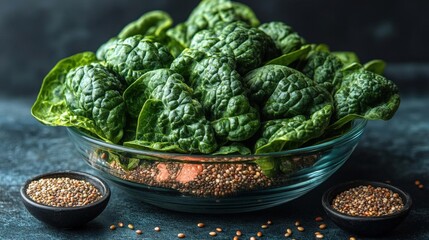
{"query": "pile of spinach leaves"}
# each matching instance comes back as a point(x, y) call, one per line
point(218, 83)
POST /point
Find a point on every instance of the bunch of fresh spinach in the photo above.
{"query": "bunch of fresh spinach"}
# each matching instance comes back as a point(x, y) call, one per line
point(218, 83)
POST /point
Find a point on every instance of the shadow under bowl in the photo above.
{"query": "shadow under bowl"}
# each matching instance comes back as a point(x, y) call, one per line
point(67, 217)
point(360, 225)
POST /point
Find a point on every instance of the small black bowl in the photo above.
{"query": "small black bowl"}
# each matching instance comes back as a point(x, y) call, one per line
point(365, 226)
point(67, 217)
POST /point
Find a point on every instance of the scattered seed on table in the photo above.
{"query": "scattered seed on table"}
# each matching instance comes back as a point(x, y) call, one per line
point(63, 192)
point(289, 231)
point(130, 226)
point(238, 233)
point(139, 231)
point(200, 225)
point(316, 233)
point(112, 227)
point(319, 236)
point(218, 229)
point(269, 222)
point(252, 238)
point(264, 226)
point(352, 238)
point(181, 235)
point(421, 186)
point(301, 229)
point(259, 234)
point(288, 234)
point(322, 226)
point(212, 234)
point(417, 182)
point(157, 229)
point(368, 201)
point(120, 224)
point(297, 223)
point(235, 238)
point(318, 219)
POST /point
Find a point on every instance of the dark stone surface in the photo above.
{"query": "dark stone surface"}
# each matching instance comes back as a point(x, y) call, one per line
point(397, 150)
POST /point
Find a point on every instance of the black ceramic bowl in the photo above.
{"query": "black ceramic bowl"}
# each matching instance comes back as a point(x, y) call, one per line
point(67, 217)
point(365, 226)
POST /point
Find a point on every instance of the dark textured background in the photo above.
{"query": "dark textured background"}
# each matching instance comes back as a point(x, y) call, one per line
point(34, 35)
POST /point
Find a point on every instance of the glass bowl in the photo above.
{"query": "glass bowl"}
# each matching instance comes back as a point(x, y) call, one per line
point(217, 183)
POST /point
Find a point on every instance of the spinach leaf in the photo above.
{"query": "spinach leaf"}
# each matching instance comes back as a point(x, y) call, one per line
point(364, 94)
point(233, 148)
point(170, 119)
point(289, 133)
point(324, 68)
point(94, 96)
point(250, 47)
point(154, 23)
point(285, 38)
point(133, 56)
point(346, 57)
point(290, 57)
point(283, 92)
point(50, 107)
point(209, 13)
point(217, 86)
point(376, 66)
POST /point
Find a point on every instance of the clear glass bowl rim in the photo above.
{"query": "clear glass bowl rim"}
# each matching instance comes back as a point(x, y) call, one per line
point(356, 129)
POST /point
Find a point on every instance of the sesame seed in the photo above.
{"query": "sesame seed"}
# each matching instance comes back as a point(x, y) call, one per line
point(322, 226)
point(301, 229)
point(318, 219)
point(112, 227)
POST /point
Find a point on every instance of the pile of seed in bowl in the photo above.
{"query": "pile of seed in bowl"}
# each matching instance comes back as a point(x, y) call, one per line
point(198, 179)
point(202, 179)
point(368, 201)
point(63, 192)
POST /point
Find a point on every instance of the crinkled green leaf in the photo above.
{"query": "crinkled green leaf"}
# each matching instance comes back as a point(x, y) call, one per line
point(94, 95)
point(218, 88)
point(289, 133)
point(151, 23)
point(324, 68)
point(367, 95)
point(283, 92)
point(285, 38)
point(249, 46)
point(170, 118)
point(211, 12)
point(131, 57)
point(50, 107)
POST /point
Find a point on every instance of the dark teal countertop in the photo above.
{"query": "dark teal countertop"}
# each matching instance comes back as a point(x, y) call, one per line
point(396, 150)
